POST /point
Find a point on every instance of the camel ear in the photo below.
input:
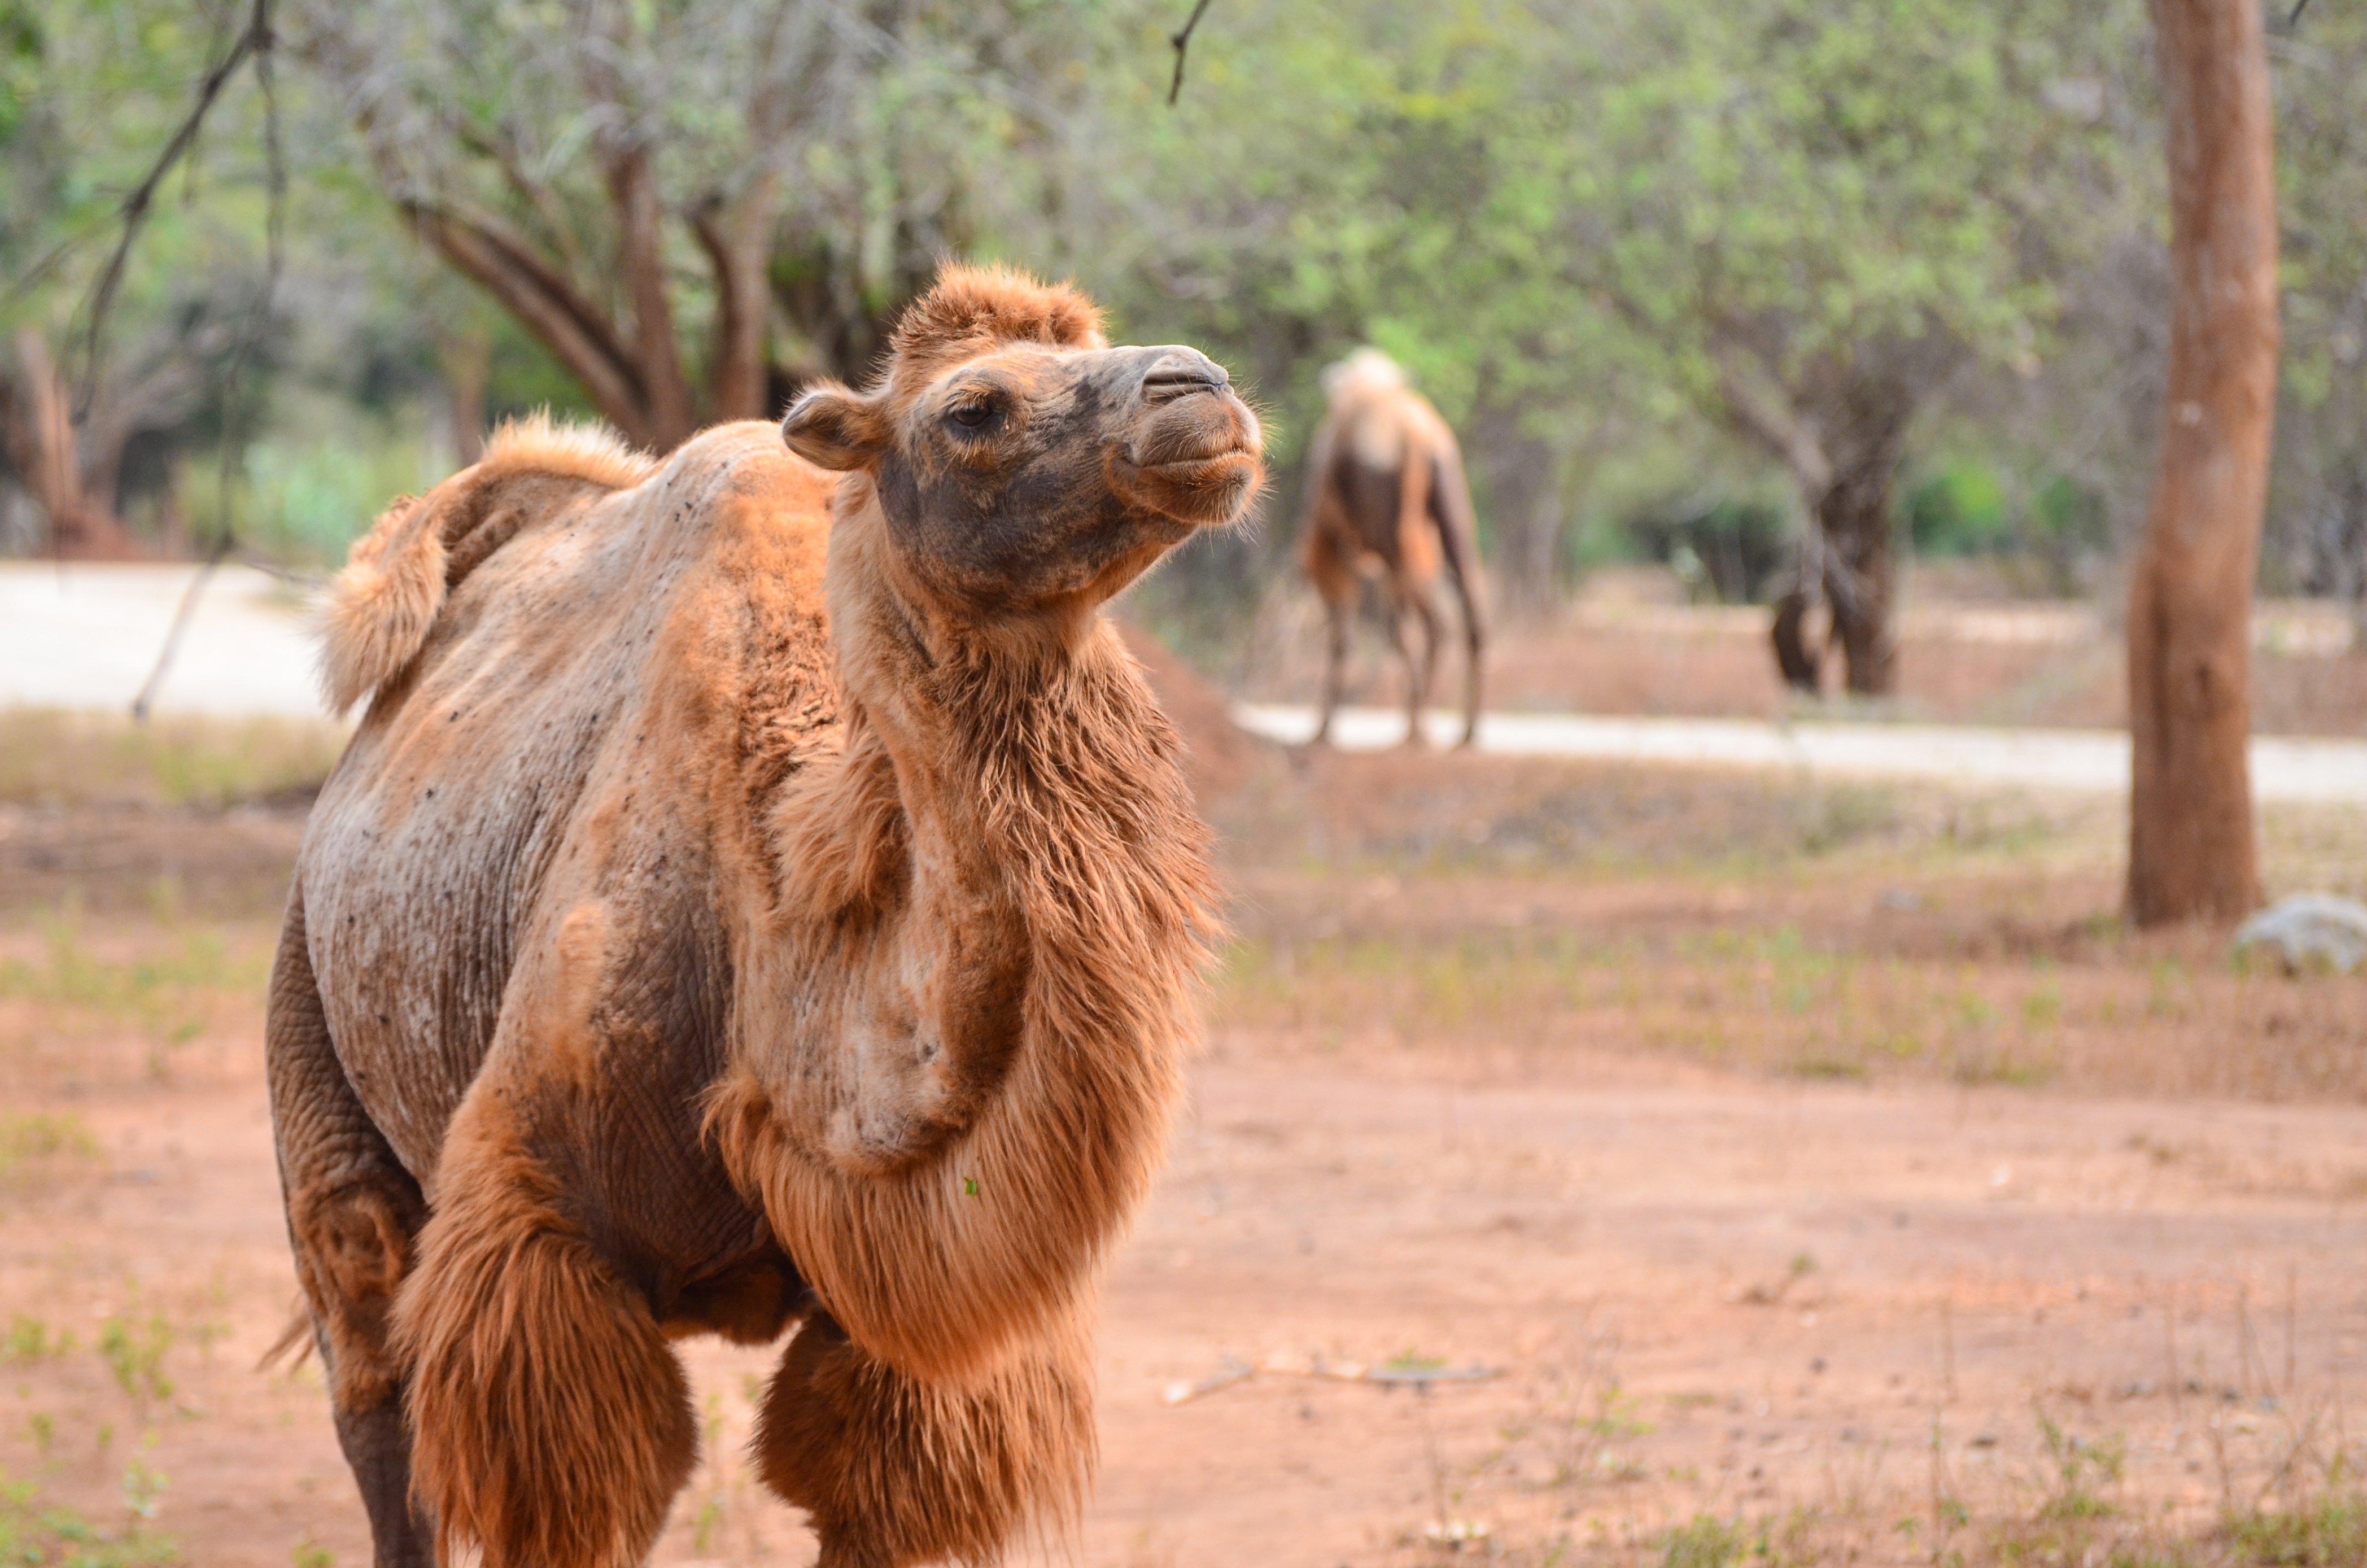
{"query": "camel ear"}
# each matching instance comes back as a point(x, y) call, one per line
point(831, 427)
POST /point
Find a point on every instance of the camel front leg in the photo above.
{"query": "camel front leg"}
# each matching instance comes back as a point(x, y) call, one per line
point(1338, 622)
point(552, 1426)
point(893, 1471)
point(1401, 606)
point(1424, 674)
point(353, 1213)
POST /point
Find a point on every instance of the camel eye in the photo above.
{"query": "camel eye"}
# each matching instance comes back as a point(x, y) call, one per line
point(971, 415)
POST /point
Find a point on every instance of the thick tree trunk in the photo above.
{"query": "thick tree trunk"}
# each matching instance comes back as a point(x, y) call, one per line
point(738, 239)
point(2192, 850)
point(1861, 574)
point(37, 423)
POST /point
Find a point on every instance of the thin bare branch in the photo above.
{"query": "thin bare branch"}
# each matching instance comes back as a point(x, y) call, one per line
point(1183, 43)
point(254, 36)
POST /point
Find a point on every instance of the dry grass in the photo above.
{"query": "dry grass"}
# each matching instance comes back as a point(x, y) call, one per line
point(53, 759)
point(141, 1004)
point(1768, 924)
point(1571, 1480)
point(1761, 1000)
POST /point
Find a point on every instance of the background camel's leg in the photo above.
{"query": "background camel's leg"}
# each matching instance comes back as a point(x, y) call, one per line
point(1474, 674)
point(1339, 620)
point(1425, 610)
point(1399, 606)
point(353, 1212)
point(895, 1472)
point(552, 1426)
point(1450, 514)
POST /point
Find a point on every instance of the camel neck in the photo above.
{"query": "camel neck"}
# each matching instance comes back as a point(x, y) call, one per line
point(972, 1009)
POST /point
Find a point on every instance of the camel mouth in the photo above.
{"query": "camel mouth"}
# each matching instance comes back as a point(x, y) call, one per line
point(1187, 468)
point(1208, 491)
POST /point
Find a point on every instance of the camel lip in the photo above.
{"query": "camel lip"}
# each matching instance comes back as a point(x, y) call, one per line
point(1205, 460)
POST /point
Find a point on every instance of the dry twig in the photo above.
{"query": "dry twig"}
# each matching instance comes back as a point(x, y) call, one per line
point(1183, 43)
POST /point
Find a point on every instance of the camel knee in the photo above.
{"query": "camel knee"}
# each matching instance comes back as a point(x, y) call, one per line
point(353, 1248)
point(894, 1472)
point(552, 1424)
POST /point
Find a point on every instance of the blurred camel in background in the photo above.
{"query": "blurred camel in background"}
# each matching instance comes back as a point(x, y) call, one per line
point(1385, 497)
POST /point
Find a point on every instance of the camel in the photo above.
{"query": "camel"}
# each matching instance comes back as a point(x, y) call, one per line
point(761, 894)
point(1385, 497)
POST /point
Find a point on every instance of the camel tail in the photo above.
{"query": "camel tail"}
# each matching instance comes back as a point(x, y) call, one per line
point(1459, 542)
point(381, 606)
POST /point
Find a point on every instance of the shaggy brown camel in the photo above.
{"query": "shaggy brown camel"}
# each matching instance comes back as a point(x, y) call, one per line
point(1385, 497)
point(753, 897)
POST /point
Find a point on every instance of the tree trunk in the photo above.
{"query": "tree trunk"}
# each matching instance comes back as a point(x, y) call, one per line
point(2192, 850)
point(1524, 502)
point(1861, 574)
point(466, 358)
point(37, 423)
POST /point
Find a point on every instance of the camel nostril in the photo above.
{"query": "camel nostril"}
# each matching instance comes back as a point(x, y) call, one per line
point(1175, 377)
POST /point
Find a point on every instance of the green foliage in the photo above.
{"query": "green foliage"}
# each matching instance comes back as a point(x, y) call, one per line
point(29, 1338)
point(34, 1536)
point(305, 502)
point(134, 1354)
point(1728, 551)
point(21, 41)
point(2327, 1531)
point(1960, 510)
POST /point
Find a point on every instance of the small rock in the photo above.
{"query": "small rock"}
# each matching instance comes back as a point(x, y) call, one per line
point(2309, 931)
point(1905, 900)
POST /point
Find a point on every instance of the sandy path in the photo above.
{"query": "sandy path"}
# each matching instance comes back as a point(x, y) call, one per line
point(84, 636)
point(1743, 1294)
point(2284, 768)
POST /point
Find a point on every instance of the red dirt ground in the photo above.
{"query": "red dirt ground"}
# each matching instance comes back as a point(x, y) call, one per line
point(1706, 1276)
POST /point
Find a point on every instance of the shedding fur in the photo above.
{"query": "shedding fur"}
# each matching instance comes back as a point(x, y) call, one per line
point(899, 1469)
point(743, 910)
point(553, 1426)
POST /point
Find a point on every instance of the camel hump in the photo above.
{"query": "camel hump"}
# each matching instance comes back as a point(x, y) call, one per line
point(381, 605)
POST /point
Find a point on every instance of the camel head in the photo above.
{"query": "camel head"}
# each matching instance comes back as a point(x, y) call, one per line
point(1024, 469)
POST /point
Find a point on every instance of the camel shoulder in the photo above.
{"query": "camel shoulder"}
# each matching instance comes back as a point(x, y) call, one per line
point(749, 456)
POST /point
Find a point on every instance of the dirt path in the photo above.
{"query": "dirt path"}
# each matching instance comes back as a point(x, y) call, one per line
point(2283, 769)
point(1700, 1291)
point(75, 635)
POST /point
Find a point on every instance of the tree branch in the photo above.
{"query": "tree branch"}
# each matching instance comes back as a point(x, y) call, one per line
point(624, 158)
point(527, 286)
point(500, 148)
point(736, 238)
point(1791, 440)
point(1183, 43)
point(255, 36)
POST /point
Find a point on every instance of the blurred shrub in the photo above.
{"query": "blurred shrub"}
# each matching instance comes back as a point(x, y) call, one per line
point(1725, 549)
point(302, 502)
point(1960, 510)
